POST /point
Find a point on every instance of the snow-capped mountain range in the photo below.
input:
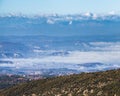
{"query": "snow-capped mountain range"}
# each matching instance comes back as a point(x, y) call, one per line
point(62, 25)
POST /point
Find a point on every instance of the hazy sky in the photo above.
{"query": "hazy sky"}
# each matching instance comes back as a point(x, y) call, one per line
point(58, 6)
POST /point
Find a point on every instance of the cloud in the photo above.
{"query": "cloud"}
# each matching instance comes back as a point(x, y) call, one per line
point(75, 57)
point(112, 13)
point(49, 21)
point(106, 54)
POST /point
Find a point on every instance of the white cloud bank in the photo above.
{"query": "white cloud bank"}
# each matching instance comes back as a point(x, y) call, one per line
point(73, 58)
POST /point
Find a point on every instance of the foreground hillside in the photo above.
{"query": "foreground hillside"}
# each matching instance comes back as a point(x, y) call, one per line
point(84, 84)
point(10, 80)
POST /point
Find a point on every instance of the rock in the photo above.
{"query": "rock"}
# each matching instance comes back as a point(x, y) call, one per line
point(85, 92)
point(69, 94)
point(34, 95)
point(58, 95)
point(91, 91)
point(99, 93)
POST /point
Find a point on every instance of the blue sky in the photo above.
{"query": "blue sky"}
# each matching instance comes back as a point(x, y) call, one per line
point(58, 6)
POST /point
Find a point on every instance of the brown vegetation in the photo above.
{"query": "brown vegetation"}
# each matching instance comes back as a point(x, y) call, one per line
point(85, 84)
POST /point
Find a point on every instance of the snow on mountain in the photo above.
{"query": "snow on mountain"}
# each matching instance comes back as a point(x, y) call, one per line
point(62, 25)
point(57, 17)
